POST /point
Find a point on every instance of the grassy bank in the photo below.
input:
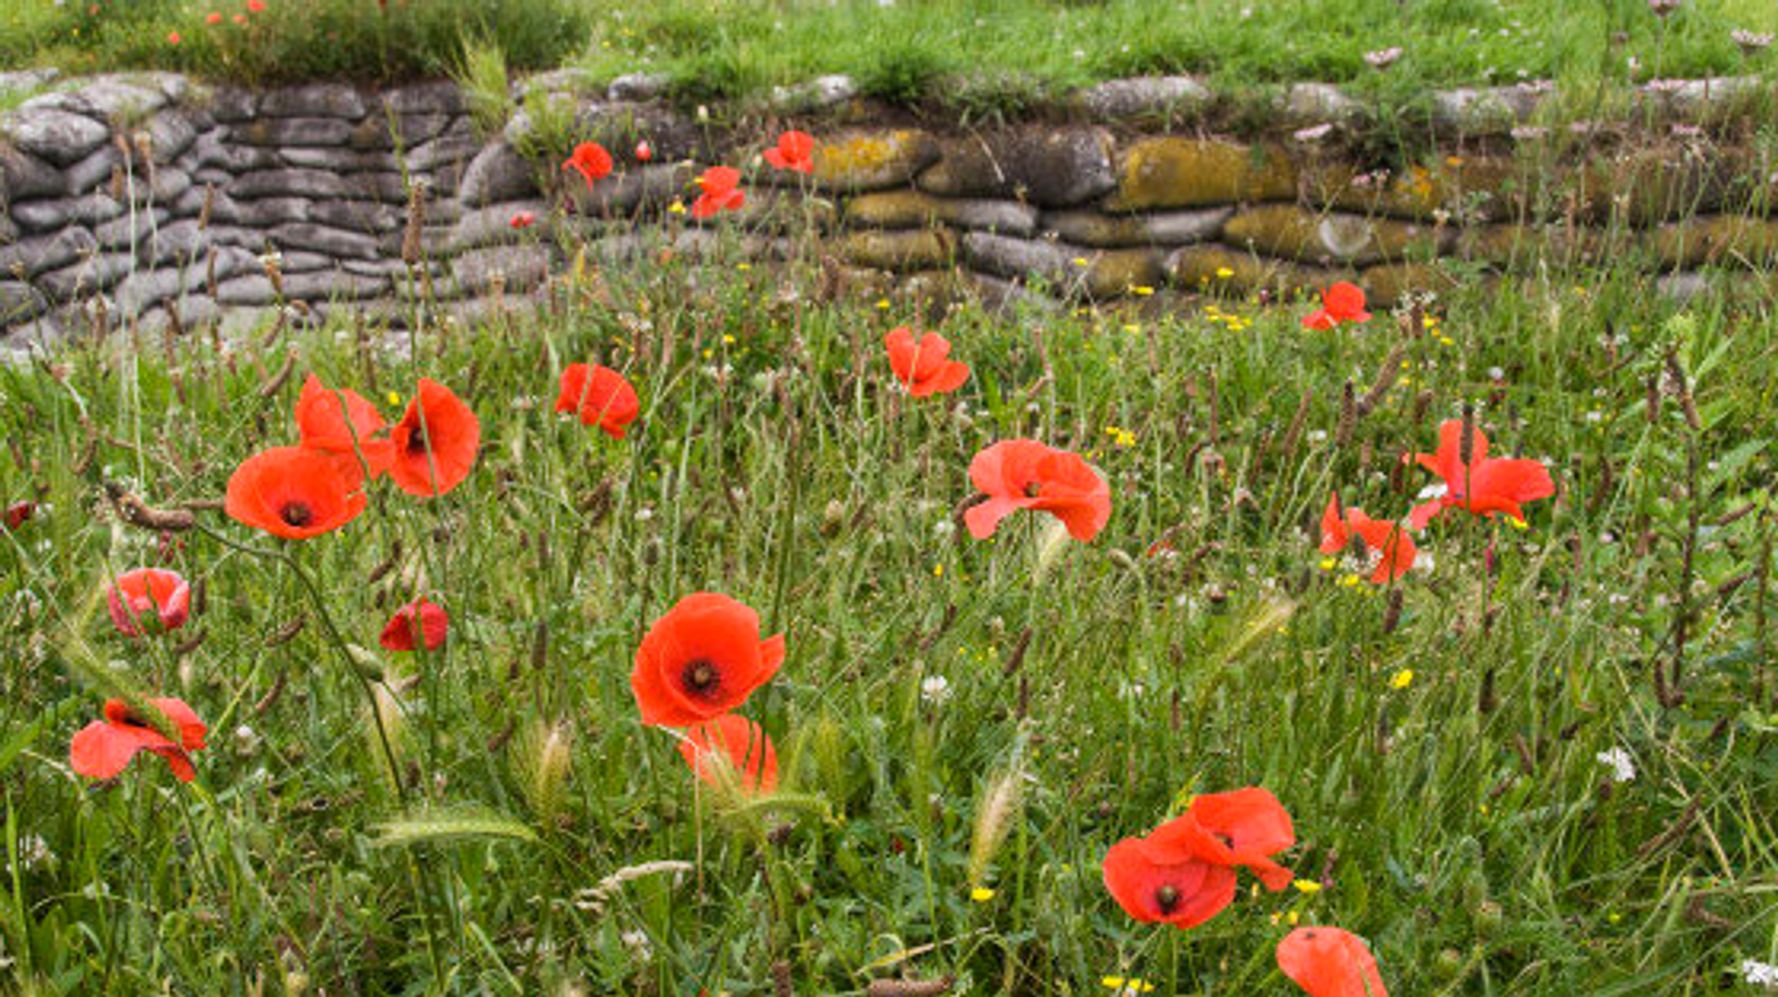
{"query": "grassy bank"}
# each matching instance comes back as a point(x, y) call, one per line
point(1438, 742)
point(999, 52)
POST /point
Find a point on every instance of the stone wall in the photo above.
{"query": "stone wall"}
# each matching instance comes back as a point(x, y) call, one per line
point(151, 200)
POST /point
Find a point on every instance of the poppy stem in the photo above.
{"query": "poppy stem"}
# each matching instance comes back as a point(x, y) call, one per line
point(334, 637)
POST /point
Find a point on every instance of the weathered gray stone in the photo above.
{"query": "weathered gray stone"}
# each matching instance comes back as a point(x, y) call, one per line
point(230, 104)
point(369, 217)
point(37, 254)
point(438, 97)
point(162, 186)
point(519, 267)
point(638, 86)
point(390, 188)
point(1483, 110)
point(337, 160)
point(20, 302)
point(60, 138)
point(1145, 95)
point(284, 132)
point(445, 150)
point(85, 277)
point(1010, 257)
point(412, 129)
point(292, 182)
point(183, 243)
point(23, 176)
point(1069, 269)
point(337, 243)
point(1689, 99)
point(644, 186)
point(129, 230)
point(249, 289)
point(94, 171)
point(299, 261)
point(9, 230)
point(322, 100)
point(24, 81)
point(492, 226)
point(1051, 167)
point(818, 93)
point(169, 134)
point(913, 209)
point(1165, 228)
point(496, 174)
point(334, 285)
point(145, 288)
point(115, 98)
point(40, 216)
point(270, 211)
point(1312, 103)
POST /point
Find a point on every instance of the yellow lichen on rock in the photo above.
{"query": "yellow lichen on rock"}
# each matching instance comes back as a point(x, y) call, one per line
point(1176, 172)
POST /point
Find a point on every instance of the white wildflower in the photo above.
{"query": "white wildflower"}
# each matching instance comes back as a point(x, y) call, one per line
point(1623, 767)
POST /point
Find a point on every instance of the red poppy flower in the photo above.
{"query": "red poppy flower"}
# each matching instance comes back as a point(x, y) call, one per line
point(16, 514)
point(1329, 962)
point(721, 192)
point(173, 38)
point(644, 152)
point(732, 750)
point(435, 442)
point(417, 621)
point(701, 659)
point(345, 424)
point(213, 18)
point(1341, 303)
point(1240, 828)
point(1386, 547)
point(924, 367)
point(591, 161)
point(239, 19)
point(1025, 474)
point(103, 748)
point(795, 151)
point(256, 6)
point(294, 492)
point(523, 219)
point(1166, 885)
point(1487, 485)
point(602, 397)
point(148, 594)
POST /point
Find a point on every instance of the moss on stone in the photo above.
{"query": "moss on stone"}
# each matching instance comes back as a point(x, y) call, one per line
point(913, 249)
point(873, 159)
point(1121, 271)
point(1175, 172)
point(1219, 270)
point(1390, 284)
point(1728, 240)
point(1287, 230)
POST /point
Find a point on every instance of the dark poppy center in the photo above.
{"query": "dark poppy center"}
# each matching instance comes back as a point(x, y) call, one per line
point(1032, 488)
point(416, 441)
point(701, 676)
point(1167, 898)
point(1227, 841)
point(296, 514)
point(1363, 549)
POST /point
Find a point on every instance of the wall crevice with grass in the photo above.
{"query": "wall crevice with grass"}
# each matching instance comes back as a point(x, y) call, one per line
point(150, 201)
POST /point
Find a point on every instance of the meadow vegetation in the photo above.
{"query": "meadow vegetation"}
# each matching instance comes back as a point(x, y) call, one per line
point(1541, 762)
point(1001, 54)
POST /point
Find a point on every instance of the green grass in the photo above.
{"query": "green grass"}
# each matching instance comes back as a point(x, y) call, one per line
point(915, 50)
point(1462, 822)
